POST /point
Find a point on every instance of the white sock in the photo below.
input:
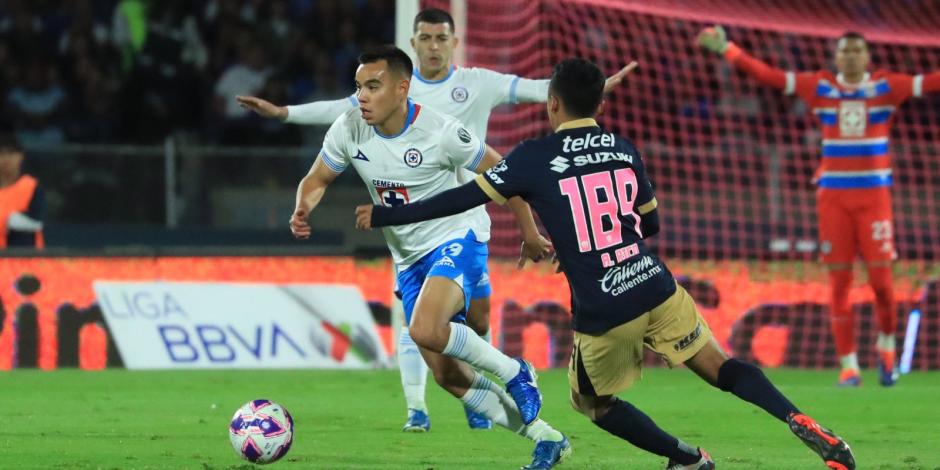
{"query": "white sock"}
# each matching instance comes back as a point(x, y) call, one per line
point(414, 371)
point(886, 342)
point(466, 345)
point(492, 401)
point(849, 361)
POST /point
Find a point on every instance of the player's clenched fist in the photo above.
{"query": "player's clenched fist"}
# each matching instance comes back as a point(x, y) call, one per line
point(364, 217)
point(299, 225)
point(713, 39)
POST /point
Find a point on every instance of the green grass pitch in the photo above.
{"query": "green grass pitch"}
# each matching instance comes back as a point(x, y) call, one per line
point(351, 420)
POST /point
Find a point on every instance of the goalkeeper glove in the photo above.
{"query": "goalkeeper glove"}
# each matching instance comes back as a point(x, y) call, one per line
point(713, 39)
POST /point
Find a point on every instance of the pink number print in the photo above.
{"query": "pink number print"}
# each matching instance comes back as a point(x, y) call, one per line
point(571, 188)
point(616, 202)
point(627, 189)
point(593, 184)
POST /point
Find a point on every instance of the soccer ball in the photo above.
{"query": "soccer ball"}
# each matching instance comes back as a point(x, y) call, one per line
point(261, 431)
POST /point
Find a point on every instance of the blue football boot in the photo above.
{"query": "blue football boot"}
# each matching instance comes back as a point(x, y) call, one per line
point(476, 420)
point(418, 421)
point(547, 454)
point(525, 392)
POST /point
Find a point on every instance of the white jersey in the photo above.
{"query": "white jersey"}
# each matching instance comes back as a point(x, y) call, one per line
point(468, 94)
point(419, 162)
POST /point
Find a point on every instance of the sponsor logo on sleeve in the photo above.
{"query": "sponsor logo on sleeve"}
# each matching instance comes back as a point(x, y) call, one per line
point(493, 173)
point(463, 135)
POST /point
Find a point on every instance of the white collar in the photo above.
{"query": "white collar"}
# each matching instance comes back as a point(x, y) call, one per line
point(841, 79)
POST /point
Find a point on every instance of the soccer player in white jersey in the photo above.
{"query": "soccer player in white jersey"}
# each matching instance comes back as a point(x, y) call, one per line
point(405, 152)
point(469, 94)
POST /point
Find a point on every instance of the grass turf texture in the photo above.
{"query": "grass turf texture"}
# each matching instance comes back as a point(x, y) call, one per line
point(352, 420)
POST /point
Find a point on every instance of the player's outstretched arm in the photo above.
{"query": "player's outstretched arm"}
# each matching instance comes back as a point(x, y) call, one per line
point(450, 202)
point(315, 113)
point(929, 83)
point(524, 90)
point(309, 193)
point(714, 39)
point(616, 79)
point(534, 245)
point(263, 108)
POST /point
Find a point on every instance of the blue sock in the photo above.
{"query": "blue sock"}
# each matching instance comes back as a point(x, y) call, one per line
point(747, 382)
point(632, 425)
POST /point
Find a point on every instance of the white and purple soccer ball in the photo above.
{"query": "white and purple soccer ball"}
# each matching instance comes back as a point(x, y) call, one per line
point(261, 431)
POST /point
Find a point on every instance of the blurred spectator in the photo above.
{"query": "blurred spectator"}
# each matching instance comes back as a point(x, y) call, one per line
point(22, 201)
point(277, 33)
point(37, 103)
point(162, 93)
point(136, 71)
point(245, 77)
point(129, 29)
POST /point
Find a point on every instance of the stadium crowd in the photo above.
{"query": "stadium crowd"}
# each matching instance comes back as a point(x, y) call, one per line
point(134, 71)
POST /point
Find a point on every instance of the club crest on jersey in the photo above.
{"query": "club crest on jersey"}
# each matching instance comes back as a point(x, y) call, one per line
point(459, 94)
point(852, 118)
point(463, 135)
point(393, 197)
point(413, 157)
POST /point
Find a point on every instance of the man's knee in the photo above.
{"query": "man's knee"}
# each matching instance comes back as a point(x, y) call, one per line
point(593, 407)
point(423, 333)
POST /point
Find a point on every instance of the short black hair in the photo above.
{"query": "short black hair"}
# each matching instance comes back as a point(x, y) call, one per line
point(434, 16)
point(579, 84)
point(853, 35)
point(9, 144)
point(397, 60)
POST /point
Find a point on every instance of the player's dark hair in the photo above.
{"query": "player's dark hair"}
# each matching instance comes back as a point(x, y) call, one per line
point(579, 84)
point(434, 16)
point(397, 60)
point(8, 144)
point(853, 35)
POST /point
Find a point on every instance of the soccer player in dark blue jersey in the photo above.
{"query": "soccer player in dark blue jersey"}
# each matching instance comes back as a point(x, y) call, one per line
point(592, 192)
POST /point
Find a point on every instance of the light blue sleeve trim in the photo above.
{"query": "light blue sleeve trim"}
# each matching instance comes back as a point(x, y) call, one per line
point(477, 159)
point(352, 99)
point(330, 163)
point(512, 90)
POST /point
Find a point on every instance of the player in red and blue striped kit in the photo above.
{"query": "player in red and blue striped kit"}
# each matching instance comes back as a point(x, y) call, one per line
point(854, 109)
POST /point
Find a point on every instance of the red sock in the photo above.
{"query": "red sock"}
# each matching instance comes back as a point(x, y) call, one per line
point(879, 277)
point(841, 314)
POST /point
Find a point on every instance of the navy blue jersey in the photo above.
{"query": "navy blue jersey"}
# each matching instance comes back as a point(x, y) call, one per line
point(589, 188)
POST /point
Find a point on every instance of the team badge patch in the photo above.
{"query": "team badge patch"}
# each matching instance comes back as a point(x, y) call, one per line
point(393, 197)
point(463, 135)
point(413, 157)
point(459, 94)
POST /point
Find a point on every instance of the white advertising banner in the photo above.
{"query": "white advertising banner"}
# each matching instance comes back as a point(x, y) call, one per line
point(195, 325)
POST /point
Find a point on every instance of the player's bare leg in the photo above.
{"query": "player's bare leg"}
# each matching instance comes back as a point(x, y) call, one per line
point(748, 382)
point(440, 299)
point(842, 319)
point(880, 280)
point(625, 421)
point(478, 319)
